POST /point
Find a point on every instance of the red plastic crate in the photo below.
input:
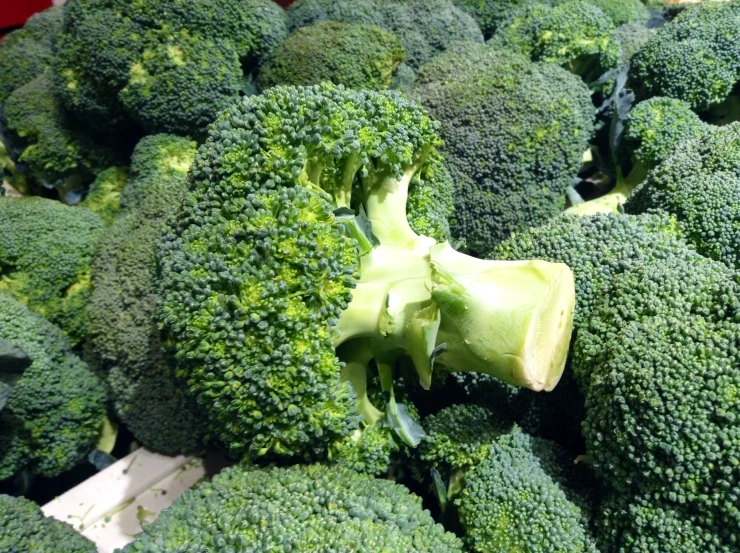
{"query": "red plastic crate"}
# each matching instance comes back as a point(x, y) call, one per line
point(14, 13)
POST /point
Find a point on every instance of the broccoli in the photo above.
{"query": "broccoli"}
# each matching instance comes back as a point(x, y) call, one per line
point(699, 183)
point(45, 254)
point(631, 38)
point(514, 132)
point(27, 53)
point(104, 196)
point(169, 66)
point(55, 408)
point(357, 56)
point(653, 130)
point(661, 359)
point(24, 529)
point(692, 58)
point(626, 524)
point(300, 508)
point(424, 27)
point(621, 12)
point(123, 342)
point(576, 35)
point(259, 275)
point(516, 500)
point(40, 134)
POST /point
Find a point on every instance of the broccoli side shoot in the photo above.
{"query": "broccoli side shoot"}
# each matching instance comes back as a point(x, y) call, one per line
point(424, 27)
point(576, 35)
point(23, 528)
point(300, 508)
point(699, 183)
point(294, 272)
point(123, 342)
point(55, 408)
point(357, 56)
point(514, 133)
point(45, 256)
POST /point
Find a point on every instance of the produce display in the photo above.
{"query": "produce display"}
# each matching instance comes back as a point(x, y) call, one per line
point(442, 276)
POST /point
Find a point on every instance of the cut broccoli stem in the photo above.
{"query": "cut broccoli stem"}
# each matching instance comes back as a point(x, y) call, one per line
point(357, 356)
point(615, 199)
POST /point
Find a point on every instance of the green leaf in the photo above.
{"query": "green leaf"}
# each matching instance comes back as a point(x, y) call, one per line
point(440, 489)
point(421, 334)
point(359, 227)
point(398, 418)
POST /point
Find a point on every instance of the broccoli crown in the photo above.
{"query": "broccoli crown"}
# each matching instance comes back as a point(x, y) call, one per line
point(55, 410)
point(424, 27)
point(27, 53)
point(514, 500)
point(620, 12)
point(631, 38)
point(300, 508)
point(171, 66)
point(491, 14)
point(104, 197)
point(45, 256)
point(514, 132)
point(700, 185)
point(24, 529)
point(654, 129)
point(48, 142)
point(597, 247)
point(663, 364)
point(576, 35)
point(357, 56)
point(692, 58)
point(461, 436)
point(626, 524)
point(123, 341)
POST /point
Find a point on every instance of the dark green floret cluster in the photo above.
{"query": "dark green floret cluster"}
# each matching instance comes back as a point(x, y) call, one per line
point(424, 27)
point(23, 528)
point(301, 508)
point(45, 255)
point(357, 56)
point(123, 341)
point(515, 133)
point(52, 410)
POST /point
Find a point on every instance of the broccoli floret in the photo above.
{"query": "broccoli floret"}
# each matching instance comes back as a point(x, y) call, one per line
point(700, 185)
point(258, 293)
point(45, 256)
point(123, 342)
point(576, 35)
point(692, 58)
point(300, 508)
point(653, 130)
point(55, 409)
point(662, 366)
point(631, 38)
point(627, 524)
point(23, 528)
point(27, 53)
point(53, 149)
point(620, 12)
point(357, 56)
point(514, 132)
point(170, 66)
point(104, 197)
point(514, 500)
point(424, 27)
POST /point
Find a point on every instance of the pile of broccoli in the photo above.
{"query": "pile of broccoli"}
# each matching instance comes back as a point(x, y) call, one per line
point(445, 276)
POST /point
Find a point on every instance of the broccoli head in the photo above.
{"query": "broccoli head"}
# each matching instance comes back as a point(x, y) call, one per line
point(632, 37)
point(293, 270)
point(576, 35)
point(424, 27)
point(170, 66)
point(357, 56)
point(23, 528)
point(123, 342)
point(45, 255)
point(54, 409)
point(104, 196)
point(621, 12)
point(300, 508)
point(692, 58)
point(27, 53)
point(514, 132)
point(699, 183)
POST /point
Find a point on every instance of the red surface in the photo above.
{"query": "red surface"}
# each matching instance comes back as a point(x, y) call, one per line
point(14, 13)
